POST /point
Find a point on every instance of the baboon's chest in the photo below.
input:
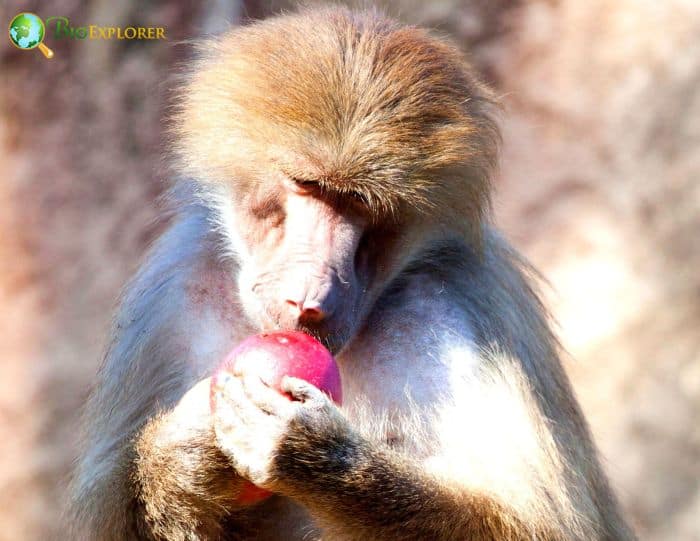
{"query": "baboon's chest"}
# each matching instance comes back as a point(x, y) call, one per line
point(399, 392)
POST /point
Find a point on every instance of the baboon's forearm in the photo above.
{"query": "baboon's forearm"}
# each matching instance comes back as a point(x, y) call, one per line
point(184, 485)
point(359, 490)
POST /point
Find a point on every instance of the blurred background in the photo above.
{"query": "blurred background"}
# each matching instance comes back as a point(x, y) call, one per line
point(599, 186)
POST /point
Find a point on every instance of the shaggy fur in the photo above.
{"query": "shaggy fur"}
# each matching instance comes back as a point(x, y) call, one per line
point(351, 100)
point(458, 422)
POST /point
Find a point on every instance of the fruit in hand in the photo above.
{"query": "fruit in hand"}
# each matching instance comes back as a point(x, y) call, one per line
point(274, 355)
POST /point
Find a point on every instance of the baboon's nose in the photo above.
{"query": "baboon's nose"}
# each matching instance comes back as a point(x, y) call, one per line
point(306, 311)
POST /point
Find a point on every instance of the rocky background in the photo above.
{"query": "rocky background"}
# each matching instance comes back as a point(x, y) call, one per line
point(599, 187)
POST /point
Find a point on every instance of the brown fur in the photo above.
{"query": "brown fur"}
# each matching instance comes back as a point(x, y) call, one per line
point(384, 497)
point(369, 105)
point(358, 106)
point(170, 487)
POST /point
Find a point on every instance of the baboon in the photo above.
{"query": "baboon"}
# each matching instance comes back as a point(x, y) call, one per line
point(334, 172)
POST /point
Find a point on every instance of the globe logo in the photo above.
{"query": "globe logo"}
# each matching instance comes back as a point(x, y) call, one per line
point(27, 32)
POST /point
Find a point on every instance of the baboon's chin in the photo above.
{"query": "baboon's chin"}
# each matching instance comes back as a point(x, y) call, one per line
point(333, 340)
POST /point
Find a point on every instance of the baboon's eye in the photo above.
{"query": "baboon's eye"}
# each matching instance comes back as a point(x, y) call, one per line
point(359, 198)
point(303, 185)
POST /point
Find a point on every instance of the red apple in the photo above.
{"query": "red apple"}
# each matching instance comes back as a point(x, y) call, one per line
point(275, 355)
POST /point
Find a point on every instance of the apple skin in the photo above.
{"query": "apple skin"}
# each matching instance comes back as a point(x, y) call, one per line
point(274, 355)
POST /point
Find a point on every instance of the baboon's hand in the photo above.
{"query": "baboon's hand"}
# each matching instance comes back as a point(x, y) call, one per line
point(252, 421)
point(190, 418)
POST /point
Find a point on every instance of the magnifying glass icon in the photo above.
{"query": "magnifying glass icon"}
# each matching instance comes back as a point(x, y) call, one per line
point(27, 31)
